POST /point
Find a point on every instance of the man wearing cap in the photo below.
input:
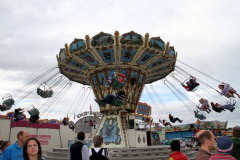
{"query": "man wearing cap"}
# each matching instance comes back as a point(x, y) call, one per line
point(16, 113)
point(206, 140)
point(224, 148)
point(236, 142)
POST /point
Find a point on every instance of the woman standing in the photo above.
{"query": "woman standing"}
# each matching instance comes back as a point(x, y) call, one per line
point(32, 150)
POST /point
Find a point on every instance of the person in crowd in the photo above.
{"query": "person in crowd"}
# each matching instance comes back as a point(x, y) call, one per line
point(165, 123)
point(92, 124)
point(219, 108)
point(191, 84)
point(74, 150)
point(206, 141)
point(199, 116)
point(119, 76)
point(34, 119)
point(224, 147)
point(32, 150)
point(4, 145)
point(236, 142)
point(173, 120)
point(204, 105)
point(98, 153)
point(17, 113)
point(108, 99)
point(227, 90)
point(1, 148)
point(15, 151)
point(176, 153)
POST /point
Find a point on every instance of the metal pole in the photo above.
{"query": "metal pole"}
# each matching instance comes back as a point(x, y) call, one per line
point(10, 129)
point(60, 138)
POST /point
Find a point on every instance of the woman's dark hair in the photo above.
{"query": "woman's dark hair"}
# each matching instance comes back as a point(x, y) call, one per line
point(221, 85)
point(3, 144)
point(25, 154)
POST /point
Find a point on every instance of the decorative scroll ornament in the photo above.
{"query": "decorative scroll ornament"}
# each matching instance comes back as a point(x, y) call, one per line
point(139, 139)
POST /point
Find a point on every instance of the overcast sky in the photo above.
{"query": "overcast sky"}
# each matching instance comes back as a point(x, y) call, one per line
point(204, 33)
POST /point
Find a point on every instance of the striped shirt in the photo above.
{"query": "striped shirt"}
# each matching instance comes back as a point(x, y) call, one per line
point(218, 156)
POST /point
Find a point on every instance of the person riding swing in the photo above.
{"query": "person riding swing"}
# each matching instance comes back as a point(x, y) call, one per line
point(165, 123)
point(227, 90)
point(199, 116)
point(191, 84)
point(173, 120)
point(219, 108)
point(116, 100)
point(204, 105)
point(34, 115)
point(116, 82)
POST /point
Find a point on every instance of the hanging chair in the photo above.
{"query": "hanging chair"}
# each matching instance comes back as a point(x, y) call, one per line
point(202, 116)
point(2, 108)
point(116, 84)
point(231, 102)
point(185, 82)
point(44, 94)
point(33, 111)
point(117, 102)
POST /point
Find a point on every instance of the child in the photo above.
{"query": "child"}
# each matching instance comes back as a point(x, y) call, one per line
point(176, 153)
point(224, 148)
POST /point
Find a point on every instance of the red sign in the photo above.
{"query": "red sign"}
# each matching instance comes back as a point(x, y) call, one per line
point(43, 139)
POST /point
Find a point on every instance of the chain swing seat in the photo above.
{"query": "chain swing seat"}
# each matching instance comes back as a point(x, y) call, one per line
point(187, 80)
point(7, 103)
point(44, 93)
point(33, 111)
point(116, 84)
point(201, 116)
point(117, 101)
point(2, 108)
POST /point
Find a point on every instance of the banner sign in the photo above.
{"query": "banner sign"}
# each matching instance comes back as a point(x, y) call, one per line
point(87, 114)
point(143, 109)
point(43, 139)
point(158, 128)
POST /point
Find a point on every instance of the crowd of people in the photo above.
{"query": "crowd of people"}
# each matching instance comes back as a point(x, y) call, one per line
point(226, 148)
point(24, 148)
point(96, 153)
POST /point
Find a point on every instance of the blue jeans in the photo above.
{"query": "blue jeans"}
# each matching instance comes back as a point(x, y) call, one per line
point(108, 99)
point(201, 117)
point(228, 107)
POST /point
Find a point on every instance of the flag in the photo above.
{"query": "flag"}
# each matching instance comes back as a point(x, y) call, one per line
point(90, 107)
point(74, 116)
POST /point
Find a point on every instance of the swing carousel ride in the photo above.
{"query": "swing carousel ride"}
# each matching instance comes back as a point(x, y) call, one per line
point(97, 63)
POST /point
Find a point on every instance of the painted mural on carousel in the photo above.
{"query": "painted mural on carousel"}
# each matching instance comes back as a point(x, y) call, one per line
point(110, 132)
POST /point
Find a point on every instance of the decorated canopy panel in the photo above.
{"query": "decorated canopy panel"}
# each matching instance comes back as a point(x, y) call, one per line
point(91, 61)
